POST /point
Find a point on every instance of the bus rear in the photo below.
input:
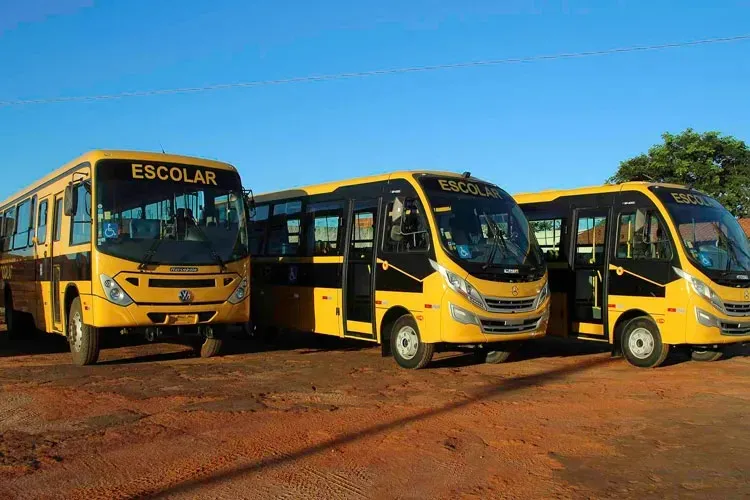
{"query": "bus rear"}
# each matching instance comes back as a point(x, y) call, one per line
point(170, 256)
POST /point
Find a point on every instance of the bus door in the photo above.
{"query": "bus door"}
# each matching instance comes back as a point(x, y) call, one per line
point(589, 262)
point(359, 269)
point(53, 268)
point(42, 257)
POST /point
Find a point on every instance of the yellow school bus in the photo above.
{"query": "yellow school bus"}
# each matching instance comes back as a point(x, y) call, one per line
point(645, 267)
point(127, 242)
point(409, 260)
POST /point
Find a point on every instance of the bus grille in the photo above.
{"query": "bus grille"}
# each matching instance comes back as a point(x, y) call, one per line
point(738, 308)
point(181, 283)
point(735, 328)
point(510, 326)
point(510, 305)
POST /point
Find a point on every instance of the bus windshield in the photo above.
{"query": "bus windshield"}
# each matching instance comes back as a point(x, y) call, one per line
point(169, 214)
point(712, 237)
point(481, 224)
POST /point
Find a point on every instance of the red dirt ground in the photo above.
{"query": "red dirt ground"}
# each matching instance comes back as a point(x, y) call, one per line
point(322, 418)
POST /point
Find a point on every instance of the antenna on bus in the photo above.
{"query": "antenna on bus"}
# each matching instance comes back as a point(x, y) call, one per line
point(162, 148)
point(466, 174)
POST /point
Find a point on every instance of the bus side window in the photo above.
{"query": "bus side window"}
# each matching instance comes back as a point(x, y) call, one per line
point(323, 225)
point(23, 224)
point(41, 226)
point(257, 229)
point(548, 233)
point(642, 237)
point(2, 230)
point(80, 227)
point(284, 238)
point(409, 232)
point(57, 227)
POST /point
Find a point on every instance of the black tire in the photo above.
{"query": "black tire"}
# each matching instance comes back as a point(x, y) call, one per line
point(209, 347)
point(493, 357)
point(707, 355)
point(642, 344)
point(412, 353)
point(83, 338)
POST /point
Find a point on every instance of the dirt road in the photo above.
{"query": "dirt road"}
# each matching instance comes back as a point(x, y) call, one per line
point(317, 418)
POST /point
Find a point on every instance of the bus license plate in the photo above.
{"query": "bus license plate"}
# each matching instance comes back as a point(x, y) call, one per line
point(182, 319)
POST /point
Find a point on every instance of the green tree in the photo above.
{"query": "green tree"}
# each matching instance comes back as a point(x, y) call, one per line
point(713, 163)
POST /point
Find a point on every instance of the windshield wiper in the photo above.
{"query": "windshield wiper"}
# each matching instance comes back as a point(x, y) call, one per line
point(731, 247)
point(498, 240)
point(149, 255)
point(210, 247)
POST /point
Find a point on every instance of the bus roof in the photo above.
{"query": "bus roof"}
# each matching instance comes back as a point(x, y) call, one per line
point(328, 187)
point(100, 154)
point(553, 194)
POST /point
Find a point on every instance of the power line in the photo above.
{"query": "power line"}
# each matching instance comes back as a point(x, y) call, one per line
point(377, 72)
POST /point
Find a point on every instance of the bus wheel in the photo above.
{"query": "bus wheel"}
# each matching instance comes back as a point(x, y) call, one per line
point(83, 339)
point(706, 355)
point(642, 345)
point(493, 357)
point(209, 347)
point(407, 346)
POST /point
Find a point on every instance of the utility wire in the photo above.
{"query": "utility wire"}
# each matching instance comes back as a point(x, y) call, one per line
point(378, 72)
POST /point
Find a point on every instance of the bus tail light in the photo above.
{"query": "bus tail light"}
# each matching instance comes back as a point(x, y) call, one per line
point(113, 292)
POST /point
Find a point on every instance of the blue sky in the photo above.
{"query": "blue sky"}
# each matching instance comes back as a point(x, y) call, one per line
point(527, 126)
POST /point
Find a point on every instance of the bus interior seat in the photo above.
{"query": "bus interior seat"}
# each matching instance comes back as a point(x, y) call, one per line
point(145, 229)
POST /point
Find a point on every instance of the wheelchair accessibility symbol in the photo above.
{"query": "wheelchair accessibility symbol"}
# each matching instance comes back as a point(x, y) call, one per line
point(111, 230)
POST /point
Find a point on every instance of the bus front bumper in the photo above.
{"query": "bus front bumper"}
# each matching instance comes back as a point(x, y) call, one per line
point(710, 329)
point(460, 326)
point(108, 315)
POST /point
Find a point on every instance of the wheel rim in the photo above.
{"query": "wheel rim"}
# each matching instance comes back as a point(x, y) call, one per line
point(407, 342)
point(76, 332)
point(641, 343)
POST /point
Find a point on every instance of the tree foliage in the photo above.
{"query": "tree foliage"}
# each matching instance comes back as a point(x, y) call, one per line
point(710, 162)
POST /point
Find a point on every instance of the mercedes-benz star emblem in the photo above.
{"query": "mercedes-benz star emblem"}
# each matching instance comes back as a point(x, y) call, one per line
point(514, 290)
point(185, 296)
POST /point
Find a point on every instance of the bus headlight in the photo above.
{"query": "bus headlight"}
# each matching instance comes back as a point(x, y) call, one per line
point(240, 293)
point(543, 294)
point(460, 285)
point(702, 289)
point(463, 316)
point(113, 292)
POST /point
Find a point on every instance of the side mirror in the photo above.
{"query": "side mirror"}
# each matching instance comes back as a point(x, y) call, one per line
point(642, 226)
point(71, 201)
point(250, 201)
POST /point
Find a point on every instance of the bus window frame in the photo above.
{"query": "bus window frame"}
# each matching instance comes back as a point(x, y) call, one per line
point(650, 211)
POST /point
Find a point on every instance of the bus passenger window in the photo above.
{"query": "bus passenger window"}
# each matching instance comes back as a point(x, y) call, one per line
point(257, 229)
point(323, 223)
point(642, 238)
point(57, 227)
point(41, 227)
point(284, 238)
point(548, 234)
point(80, 227)
point(407, 233)
point(23, 225)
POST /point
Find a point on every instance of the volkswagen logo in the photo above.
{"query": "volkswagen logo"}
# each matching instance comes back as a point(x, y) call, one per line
point(185, 296)
point(514, 291)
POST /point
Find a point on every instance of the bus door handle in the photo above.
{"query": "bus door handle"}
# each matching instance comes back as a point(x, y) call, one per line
point(599, 273)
